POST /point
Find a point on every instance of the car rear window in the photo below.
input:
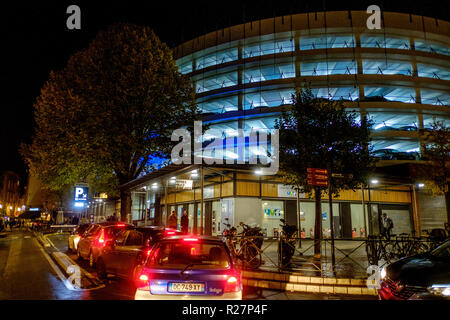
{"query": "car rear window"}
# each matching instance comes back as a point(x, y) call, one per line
point(177, 255)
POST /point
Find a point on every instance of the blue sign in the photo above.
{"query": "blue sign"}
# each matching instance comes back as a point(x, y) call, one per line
point(272, 213)
point(80, 194)
point(324, 216)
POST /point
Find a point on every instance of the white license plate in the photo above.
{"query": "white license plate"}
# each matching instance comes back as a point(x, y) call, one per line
point(186, 287)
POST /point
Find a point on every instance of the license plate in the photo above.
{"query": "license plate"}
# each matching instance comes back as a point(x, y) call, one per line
point(186, 287)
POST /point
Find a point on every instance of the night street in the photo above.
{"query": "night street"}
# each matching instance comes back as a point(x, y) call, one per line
point(241, 153)
point(27, 272)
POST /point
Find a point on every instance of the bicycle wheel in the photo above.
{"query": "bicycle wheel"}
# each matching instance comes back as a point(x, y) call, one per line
point(250, 256)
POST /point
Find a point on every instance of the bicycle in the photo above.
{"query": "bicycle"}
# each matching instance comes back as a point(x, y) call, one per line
point(247, 250)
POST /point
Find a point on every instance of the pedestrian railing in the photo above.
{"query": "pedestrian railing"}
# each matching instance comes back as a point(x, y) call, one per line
point(352, 256)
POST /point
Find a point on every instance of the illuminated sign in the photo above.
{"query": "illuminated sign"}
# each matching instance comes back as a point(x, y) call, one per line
point(80, 193)
point(34, 209)
point(184, 184)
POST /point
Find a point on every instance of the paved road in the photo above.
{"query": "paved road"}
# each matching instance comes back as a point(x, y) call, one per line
point(28, 272)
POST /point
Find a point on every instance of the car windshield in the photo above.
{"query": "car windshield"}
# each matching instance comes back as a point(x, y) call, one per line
point(442, 251)
point(177, 255)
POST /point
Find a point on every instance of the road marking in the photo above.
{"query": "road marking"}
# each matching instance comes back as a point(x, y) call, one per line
point(66, 282)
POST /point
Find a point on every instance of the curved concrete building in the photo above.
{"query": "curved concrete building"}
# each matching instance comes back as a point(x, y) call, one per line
point(398, 75)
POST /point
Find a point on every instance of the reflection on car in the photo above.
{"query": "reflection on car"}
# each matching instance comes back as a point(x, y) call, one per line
point(129, 250)
point(420, 277)
point(94, 239)
point(189, 267)
point(75, 236)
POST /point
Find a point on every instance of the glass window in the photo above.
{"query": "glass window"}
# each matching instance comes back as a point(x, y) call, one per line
point(218, 57)
point(433, 47)
point(270, 98)
point(400, 94)
point(322, 42)
point(394, 121)
point(428, 120)
point(216, 81)
point(219, 105)
point(270, 46)
point(269, 72)
point(272, 212)
point(379, 41)
point(432, 71)
point(435, 97)
point(387, 67)
point(120, 240)
point(409, 148)
point(321, 68)
point(135, 238)
point(177, 255)
point(344, 93)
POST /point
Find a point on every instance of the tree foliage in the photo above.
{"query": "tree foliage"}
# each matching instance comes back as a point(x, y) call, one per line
point(110, 111)
point(320, 133)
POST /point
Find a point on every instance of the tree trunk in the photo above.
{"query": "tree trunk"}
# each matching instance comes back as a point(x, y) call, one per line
point(318, 224)
point(447, 202)
point(125, 204)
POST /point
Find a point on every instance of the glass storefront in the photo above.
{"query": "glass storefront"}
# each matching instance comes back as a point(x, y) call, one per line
point(272, 212)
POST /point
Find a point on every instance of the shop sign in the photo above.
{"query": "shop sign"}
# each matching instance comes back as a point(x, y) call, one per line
point(324, 216)
point(272, 213)
point(286, 191)
point(184, 184)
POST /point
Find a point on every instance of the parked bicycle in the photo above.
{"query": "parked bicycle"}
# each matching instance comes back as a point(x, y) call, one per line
point(286, 245)
point(246, 245)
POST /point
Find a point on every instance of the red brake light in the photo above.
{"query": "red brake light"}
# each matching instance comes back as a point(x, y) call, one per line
point(149, 251)
point(120, 225)
point(101, 238)
point(190, 239)
point(143, 278)
point(232, 284)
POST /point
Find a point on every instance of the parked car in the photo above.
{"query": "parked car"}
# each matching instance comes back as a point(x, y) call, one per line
point(408, 128)
point(129, 250)
point(406, 156)
point(94, 239)
point(384, 154)
point(75, 236)
point(387, 128)
point(423, 277)
point(189, 267)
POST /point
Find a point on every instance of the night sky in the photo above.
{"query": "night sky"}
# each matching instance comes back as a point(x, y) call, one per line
point(34, 40)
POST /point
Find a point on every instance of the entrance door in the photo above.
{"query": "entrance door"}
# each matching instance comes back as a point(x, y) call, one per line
point(291, 212)
point(345, 221)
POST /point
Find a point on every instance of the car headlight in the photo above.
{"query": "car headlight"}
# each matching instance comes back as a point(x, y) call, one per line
point(383, 273)
point(440, 289)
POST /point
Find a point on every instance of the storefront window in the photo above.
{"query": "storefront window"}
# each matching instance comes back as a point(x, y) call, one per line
point(272, 212)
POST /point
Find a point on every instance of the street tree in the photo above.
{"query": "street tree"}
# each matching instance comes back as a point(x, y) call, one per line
point(320, 133)
point(109, 114)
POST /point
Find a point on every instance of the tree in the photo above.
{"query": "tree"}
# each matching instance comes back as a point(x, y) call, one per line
point(437, 152)
point(320, 133)
point(110, 112)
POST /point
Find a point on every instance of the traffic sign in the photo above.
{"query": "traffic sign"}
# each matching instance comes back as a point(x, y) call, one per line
point(317, 176)
point(318, 183)
point(317, 170)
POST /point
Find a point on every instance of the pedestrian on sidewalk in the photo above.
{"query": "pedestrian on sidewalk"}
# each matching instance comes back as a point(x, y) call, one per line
point(173, 220)
point(387, 225)
point(185, 222)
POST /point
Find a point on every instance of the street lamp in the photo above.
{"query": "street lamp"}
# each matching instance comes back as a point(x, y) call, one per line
point(374, 181)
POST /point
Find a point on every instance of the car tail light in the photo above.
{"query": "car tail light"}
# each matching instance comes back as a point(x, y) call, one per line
point(233, 284)
point(101, 239)
point(148, 252)
point(142, 279)
point(170, 232)
point(190, 239)
point(120, 225)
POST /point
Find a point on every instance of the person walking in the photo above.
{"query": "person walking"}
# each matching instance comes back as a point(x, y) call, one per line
point(173, 220)
point(185, 222)
point(387, 225)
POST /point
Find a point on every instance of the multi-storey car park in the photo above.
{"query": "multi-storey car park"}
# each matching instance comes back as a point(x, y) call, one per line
point(244, 75)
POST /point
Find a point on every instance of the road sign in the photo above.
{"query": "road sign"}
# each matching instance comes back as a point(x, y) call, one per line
point(317, 171)
point(317, 177)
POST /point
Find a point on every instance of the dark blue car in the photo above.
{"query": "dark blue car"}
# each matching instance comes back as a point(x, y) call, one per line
point(189, 267)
